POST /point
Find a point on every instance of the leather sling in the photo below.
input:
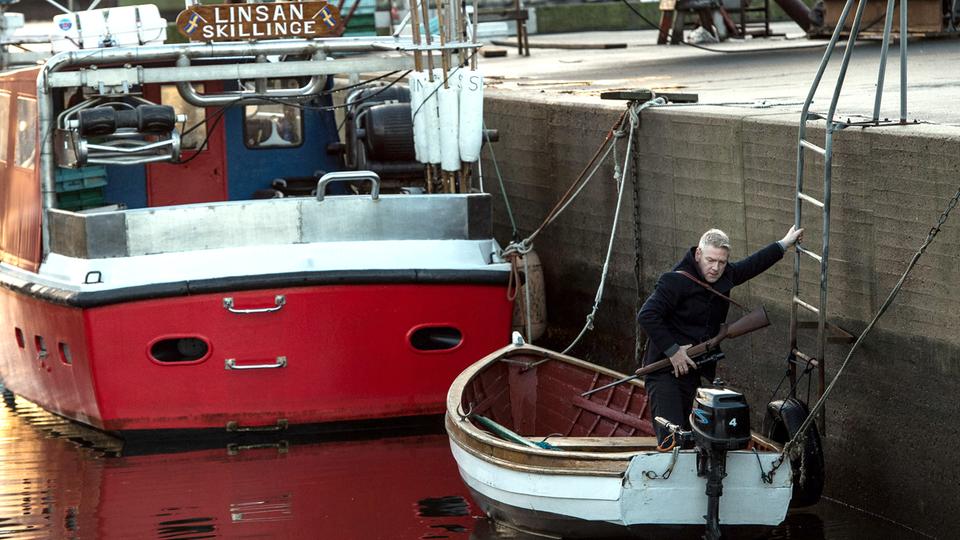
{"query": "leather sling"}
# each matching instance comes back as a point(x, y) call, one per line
point(711, 289)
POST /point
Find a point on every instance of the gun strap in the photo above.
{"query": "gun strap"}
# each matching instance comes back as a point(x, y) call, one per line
point(706, 286)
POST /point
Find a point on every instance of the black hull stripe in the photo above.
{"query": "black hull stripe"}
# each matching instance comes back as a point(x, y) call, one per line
point(245, 283)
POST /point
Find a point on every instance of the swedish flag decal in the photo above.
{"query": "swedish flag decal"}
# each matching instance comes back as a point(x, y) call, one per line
point(192, 23)
point(327, 16)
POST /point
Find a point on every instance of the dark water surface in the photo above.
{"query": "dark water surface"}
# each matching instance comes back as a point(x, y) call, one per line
point(58, 480)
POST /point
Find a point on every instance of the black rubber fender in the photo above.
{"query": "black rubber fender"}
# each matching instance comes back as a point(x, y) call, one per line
point(784, 418)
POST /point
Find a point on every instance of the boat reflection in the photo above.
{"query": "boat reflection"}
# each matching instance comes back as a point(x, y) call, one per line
point(61, 482)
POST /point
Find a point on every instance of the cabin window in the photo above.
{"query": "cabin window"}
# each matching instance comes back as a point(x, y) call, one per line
point(65, 355)
point(4, 124)
point(41, 347)
point(194, 131)
point(20, 341)
point(26, 149)
point(273, 125)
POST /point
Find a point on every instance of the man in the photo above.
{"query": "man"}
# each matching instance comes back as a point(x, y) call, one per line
point(682, 312)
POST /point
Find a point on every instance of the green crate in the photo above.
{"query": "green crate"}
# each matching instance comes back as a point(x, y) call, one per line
point(80, 199)
point(82, 178)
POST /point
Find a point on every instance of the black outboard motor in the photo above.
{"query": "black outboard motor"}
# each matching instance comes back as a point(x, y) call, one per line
point(720, 422)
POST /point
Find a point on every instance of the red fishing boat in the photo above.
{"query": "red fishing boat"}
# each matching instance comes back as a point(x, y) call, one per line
point(184, 245)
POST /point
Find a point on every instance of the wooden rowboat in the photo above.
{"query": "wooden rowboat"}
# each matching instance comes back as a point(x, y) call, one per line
point(539, 457)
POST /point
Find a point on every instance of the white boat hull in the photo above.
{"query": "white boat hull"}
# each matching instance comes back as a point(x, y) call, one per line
point(633, 498)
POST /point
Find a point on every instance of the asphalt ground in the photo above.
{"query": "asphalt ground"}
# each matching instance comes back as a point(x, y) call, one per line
point(759, 72)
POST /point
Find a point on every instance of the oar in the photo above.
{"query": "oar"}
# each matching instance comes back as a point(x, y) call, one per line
point(509, 435)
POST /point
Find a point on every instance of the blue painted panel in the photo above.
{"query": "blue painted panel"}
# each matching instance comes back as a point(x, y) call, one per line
point(251, 169)
point(126, 184)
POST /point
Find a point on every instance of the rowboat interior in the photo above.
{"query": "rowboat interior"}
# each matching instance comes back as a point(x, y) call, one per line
point(537, 396)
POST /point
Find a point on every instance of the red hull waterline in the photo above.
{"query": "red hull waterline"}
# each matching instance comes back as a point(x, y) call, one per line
point(346, 352)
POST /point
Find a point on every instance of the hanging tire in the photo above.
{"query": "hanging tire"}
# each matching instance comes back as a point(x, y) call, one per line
point(784, 418)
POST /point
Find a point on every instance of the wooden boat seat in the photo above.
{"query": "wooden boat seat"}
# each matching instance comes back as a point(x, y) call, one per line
point(600, 444)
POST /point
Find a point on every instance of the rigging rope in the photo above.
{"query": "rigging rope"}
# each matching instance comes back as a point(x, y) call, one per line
point(619, 176)
point(515, 250)
point(793, 447)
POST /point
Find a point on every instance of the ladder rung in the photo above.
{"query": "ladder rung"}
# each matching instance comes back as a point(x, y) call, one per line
point(809, 199)
point(804, 305)
point(806, 358)
point(835, 333)
point(811, 146)
point(818, 258)
point(814, 116)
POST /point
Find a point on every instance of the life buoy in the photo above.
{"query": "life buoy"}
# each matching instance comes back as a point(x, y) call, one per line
point(784, 418)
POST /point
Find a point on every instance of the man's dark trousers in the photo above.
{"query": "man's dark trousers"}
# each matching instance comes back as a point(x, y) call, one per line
point(671, 399)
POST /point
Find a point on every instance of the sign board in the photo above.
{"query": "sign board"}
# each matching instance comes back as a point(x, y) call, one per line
point(244, 22)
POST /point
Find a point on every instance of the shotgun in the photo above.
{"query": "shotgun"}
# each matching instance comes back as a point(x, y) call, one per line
point(754, 320)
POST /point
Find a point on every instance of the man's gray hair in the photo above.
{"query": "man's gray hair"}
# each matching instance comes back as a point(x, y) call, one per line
point(715, 238)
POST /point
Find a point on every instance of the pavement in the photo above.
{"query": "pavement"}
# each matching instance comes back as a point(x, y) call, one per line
point(760, 72)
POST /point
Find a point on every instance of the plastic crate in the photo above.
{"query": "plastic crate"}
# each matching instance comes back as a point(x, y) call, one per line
point(80, 199)
point(82, 178)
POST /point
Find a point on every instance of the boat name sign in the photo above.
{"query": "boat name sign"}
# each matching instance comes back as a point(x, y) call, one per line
point(241, 22)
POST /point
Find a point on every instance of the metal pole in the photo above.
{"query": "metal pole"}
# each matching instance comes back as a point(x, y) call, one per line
point(884, 48)
point(58, 6)
point(903, 61)
point(429, 39)
point(827, 175)
point(415, 33)
point(801, 135)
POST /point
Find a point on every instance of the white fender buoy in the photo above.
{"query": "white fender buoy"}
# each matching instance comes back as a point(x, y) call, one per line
point(531, 279)
point(417, 84)
point(471, 116)
point(449, 99)
point(432, 116)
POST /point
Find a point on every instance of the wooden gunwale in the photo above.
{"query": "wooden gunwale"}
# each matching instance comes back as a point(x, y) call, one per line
point(514, 456)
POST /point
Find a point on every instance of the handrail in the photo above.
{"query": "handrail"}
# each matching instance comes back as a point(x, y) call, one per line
point(373, 177)
point(260, 95)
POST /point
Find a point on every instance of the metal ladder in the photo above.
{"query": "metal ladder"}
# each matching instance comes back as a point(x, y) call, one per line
point(827, 332)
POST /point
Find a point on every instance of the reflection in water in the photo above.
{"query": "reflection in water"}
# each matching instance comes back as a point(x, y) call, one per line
point(61, 481)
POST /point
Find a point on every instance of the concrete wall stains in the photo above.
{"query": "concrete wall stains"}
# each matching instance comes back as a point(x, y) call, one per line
point(892, 431)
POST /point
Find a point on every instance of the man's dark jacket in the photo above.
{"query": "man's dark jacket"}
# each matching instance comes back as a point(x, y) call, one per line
point(682, 312)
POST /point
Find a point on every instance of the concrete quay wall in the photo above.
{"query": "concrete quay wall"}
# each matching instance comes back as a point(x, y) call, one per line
point(891, 432)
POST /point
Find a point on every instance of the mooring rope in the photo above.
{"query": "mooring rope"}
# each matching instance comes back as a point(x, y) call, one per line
point(793, 447)
point(620, 177)
point(516, 249)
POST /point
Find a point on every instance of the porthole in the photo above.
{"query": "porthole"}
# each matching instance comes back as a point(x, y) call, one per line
point(179, 349)
point(435, 338)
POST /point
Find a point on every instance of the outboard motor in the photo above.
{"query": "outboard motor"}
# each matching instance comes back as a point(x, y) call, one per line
point(720, 422)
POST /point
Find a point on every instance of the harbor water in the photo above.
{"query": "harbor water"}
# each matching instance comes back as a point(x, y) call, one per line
point(63, 481)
